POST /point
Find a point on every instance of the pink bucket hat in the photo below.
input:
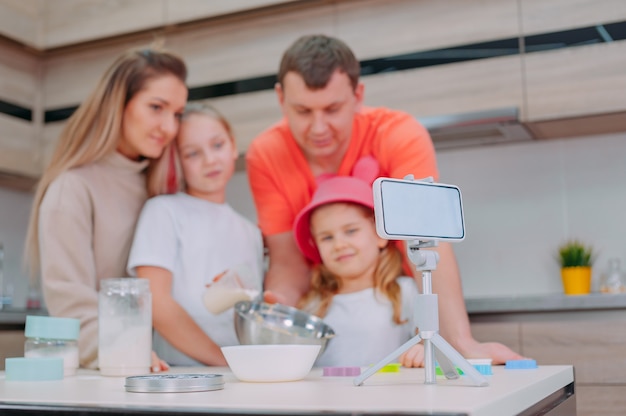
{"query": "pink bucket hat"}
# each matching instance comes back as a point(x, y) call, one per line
point(356, 188)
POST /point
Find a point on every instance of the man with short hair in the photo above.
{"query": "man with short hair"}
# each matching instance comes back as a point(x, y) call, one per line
point(325, 130)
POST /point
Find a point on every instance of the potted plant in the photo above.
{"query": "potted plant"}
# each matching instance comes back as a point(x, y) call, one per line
point(576, 260)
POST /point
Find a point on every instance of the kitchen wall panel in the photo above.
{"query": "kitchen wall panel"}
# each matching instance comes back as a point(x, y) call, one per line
point(449, 89)
point(19, 80)
point(374, 28)
point(69, 21)
point(243, 48)
point(576, 81)
point(539, 16)
point(513, 199)
point(19, 87)
point(523, 200)
point(177, 11)
point(20, 147)
point(69, 77)
point(21, 20)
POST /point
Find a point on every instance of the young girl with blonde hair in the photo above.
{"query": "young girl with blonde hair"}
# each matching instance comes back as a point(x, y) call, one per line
point(357, 285)
point(184, 240)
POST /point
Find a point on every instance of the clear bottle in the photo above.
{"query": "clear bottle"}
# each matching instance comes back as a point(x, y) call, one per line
point(48, 337)
point(613, 280)
point(124, 326)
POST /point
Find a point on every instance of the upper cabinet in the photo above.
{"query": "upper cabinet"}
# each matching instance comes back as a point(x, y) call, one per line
point(558, 63)
point(20, 119)
point(587, 77)
point(45, 25)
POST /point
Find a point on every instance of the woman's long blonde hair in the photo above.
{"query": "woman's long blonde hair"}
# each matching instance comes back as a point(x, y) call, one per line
point(165, 175)
point(325, 285)
point(93, 131)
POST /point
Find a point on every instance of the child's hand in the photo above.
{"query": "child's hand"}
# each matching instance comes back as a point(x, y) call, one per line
point(271, 297)
point(414, 357)
point(158, 364)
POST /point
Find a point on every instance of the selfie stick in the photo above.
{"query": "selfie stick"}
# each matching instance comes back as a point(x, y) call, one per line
point(427, 319)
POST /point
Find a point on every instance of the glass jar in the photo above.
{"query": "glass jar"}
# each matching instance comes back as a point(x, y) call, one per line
point(613, 280)
point(48, 337)
point(124, 326)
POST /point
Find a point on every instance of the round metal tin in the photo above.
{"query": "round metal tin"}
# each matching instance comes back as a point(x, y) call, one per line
point(174, 383)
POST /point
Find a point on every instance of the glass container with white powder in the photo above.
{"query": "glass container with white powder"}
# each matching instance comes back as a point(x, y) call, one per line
point(124, 326)
point(48, 336)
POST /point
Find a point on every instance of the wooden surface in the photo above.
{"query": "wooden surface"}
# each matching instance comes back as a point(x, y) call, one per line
point(592, 341)
point(11, 345)
point(245, 38)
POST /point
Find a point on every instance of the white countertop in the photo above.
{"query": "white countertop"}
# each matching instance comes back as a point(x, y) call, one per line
point(509, 392)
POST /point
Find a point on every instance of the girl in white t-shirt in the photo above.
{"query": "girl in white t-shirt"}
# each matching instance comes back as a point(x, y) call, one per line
point(185, 239)
point(357, 285)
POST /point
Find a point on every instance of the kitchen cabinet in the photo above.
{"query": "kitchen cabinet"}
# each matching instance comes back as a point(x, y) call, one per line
point(575, 82)
point(590, 336)
point(19, 121)
point(11, 344)
point(245, 39)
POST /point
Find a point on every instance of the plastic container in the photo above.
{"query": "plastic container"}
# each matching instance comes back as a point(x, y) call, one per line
point(33, 369)
point(227, 289)
point(52, 337)
point(124, 326)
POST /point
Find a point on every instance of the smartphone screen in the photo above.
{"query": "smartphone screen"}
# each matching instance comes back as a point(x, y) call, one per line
point(407, 209)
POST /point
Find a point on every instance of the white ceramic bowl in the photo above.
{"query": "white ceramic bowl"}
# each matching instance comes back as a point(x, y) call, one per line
point(271, 363)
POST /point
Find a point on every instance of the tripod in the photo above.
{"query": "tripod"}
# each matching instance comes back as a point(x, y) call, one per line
point(427, 319)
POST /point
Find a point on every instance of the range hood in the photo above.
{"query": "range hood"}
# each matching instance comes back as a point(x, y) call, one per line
point(503, 125)
point(476, 128)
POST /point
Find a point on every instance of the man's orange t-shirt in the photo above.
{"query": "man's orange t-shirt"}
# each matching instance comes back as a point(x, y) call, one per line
point(282, 183)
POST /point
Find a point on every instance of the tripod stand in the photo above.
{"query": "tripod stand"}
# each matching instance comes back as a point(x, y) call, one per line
point(427, 319)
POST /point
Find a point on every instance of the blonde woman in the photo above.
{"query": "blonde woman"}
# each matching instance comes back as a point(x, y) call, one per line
point(89, 197)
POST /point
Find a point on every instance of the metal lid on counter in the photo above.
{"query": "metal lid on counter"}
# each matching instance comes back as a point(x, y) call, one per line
point(174, 383)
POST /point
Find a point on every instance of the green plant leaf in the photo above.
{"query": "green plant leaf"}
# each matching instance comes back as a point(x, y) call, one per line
point(573, 253)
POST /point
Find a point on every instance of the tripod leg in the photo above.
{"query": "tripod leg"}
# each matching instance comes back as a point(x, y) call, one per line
point(447, 367)
point(395, 354)
point(447, 350)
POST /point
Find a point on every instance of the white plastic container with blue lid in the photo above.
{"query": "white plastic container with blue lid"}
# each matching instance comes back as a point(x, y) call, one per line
point(49, 337)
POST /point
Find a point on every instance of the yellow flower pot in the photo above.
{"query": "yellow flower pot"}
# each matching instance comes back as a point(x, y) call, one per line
point(576, 280)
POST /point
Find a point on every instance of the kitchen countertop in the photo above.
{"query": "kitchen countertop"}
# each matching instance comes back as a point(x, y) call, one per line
point(545, 303)
point(13, 317)
point(17, 316)
point(509, 392)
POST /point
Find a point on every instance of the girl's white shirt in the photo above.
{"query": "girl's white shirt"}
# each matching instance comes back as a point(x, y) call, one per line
point(196, 240)
point(364, 328)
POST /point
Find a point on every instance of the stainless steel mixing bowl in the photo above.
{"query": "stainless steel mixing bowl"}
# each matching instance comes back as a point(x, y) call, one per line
point(265, 323)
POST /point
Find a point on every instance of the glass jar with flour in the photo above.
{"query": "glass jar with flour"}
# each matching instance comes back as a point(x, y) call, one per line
point(124, 326)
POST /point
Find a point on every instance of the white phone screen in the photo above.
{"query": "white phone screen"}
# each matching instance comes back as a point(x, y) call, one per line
point(413, 209)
